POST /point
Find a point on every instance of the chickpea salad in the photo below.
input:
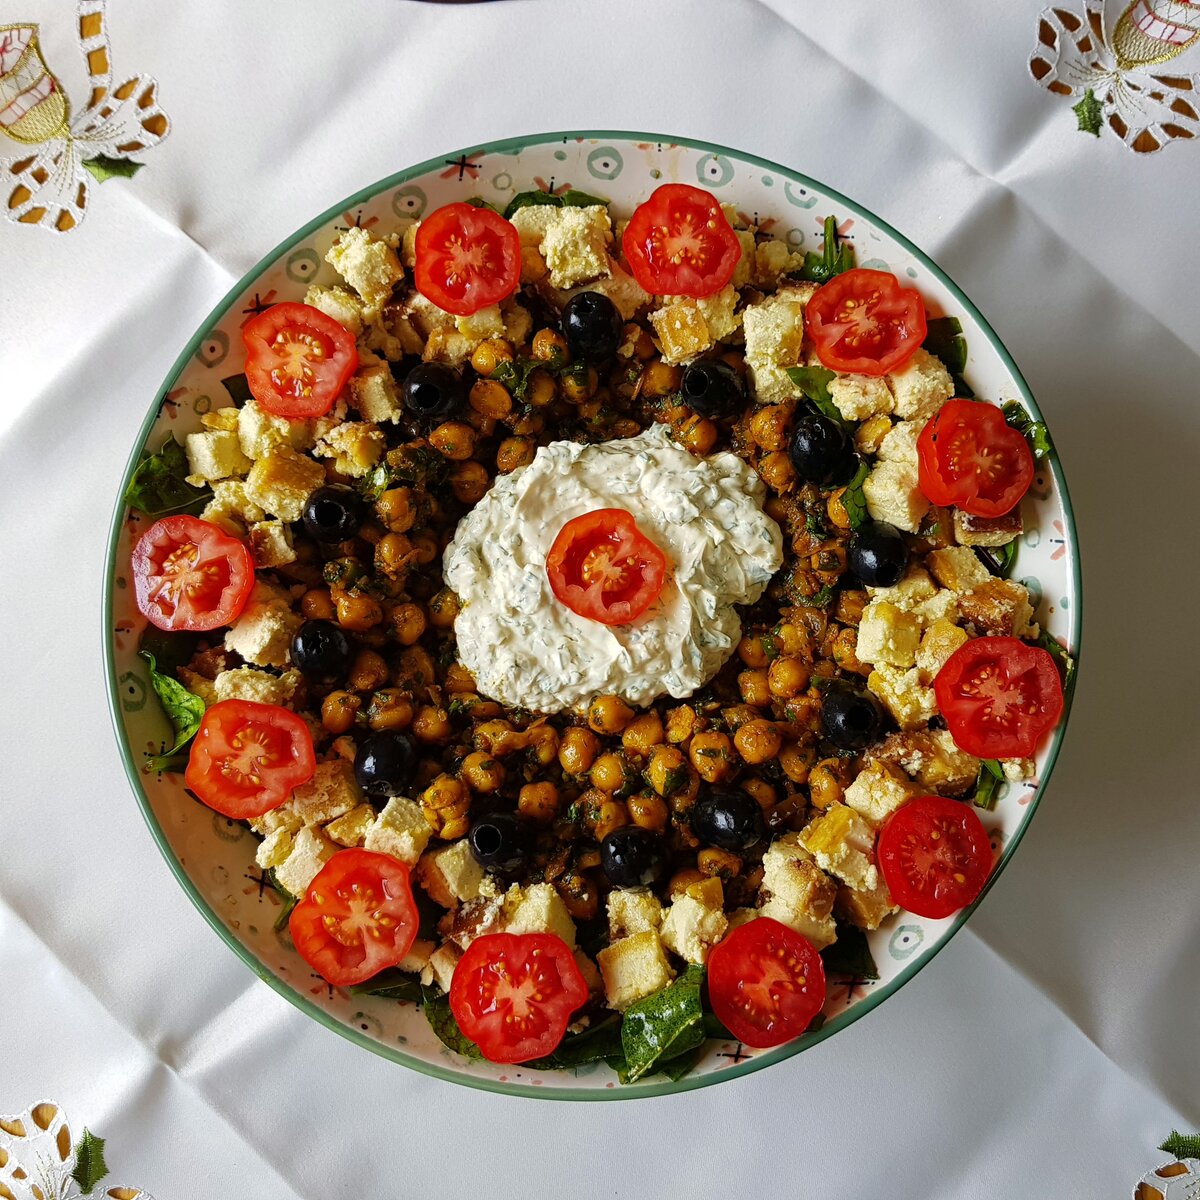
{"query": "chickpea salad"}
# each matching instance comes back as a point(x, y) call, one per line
point(602, 622)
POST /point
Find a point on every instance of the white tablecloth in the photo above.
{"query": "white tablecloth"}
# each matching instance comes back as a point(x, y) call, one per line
point(1056, 1041)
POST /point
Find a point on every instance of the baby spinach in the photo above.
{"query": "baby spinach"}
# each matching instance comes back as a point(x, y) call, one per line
point(441, 1020)
point(850, 955)
point(991, 776)
point(286, 899)
point(814, 382)
point(663, 1026)
point(571, 198)
point(184, 708)
point(480, 202)
point(238, 387)
point(1064, 662)
point(158, 487)
point(944, 340)
point(393, 984)
point(597, 1043)
point(853, 499)
point(1035, 432)
point(833, 259)
point(998, 559)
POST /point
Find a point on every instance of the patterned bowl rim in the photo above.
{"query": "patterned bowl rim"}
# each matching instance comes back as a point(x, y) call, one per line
point(686, 1083)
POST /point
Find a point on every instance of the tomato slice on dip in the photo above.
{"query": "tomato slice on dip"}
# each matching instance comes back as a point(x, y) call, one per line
point(999, 696)
point(603, 567)
point(247, 757)
point(864, 321)
point(678, 243)
point(297, 360)
point(935, 855)
point(357, 917)
point(969, 456)
point(188, 574)
point(766, 982)
point(513, 994)
point(466, 258)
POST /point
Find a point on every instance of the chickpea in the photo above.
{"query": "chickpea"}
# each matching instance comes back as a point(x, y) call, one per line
point(338, 711)
point(762, 792)
point(389, 709)
point(368, 671)
point(469, 481)
point(868, 437)
point(850, 605)
point(541, 390)
point(712, 756)
point(835, 506)
point(697, 435)
point(668, 771)
point(777, 472)
point(797, 761)
point(787, 677)
point(830, 561)
point(578, 386)
point(498, 738)
point(415, 667)
point(514, 452)
point(681, 724)
point(624, 427)
point(317, 605)
point(769, 426)
point(609, 714)
point(757, 741)
point(393, 555)
point(491, 399)
point(431, 724)
point(790, 813)
point(482, 772)
point(542, 744)
point(549, 346)
point(528, 426)
point(484, 426)
point(755, 687)
point(682, 880)
point(477, 709)
point(660, 379)
point(454, 440)
point(794, 640)
point(397, 509)
point(649, 811)
point(579, 894)
point(533, 265)
point(425, 549)
point(408, 623)
point(720, 863)
point(487, 356)
point(446, 795)
point(578, 750)
point(539, 802)
point(614, 814)
point(845, 652)
point(609, 773)
point(752, 652)
point(444, 607)
point(637, 343)
point(642, 734)
point(356, 612)
point(825, 785)
point(683, 799)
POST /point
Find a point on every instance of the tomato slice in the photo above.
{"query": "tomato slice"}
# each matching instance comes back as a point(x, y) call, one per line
point(999, 696)
point(466, 258)
point(188, 574)
point(678, 243)
point(513, 994)
point(766, 982)
point(247, 757)
point(935, 855)
point(297, 360)
point(357, 917)
point(971, 457)
point(603, 567)
point(864, 321)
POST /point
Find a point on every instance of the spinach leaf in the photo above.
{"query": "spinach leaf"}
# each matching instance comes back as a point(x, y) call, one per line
point(713, 1028)
point(171, 648)
point(998, 559)
point(1064, 662)
point(571, 198)
point(944, 340)
point(158, 487)
point(287, 900)
point(597, 1043)
point(681, 1064)
point(850, 955)
point(441, 1020)
point(238, 387)
point(515, 375)
point(663, 1026)
point(393, 984)
point(991, 776)
point(183, 707)
point(1035, 432)
point(480, 202)
point(853, 499)
point(832, 260)
point(814, 382)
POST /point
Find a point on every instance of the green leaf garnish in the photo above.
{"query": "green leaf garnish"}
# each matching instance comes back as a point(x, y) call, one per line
point(571, 198)
point(1182, 1145)
point(1064, 662)
point(1035, 432)
point(663, 1026)
point(158, 487)
point(287, 900)
point(833, 259)
point(944, 340)
point(185, 709)
point(392, 984)
point(103, 167)
point(410, 466)
point(998, 559)
point(1089, 112)
point(442, 1022)
point(814, 382)
point(238, 387)
point(850, 955)
point(853, 500)
point(90, 1166)
point(991, 776)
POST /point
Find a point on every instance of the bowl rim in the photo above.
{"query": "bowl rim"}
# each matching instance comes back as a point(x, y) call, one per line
point(393, 1053)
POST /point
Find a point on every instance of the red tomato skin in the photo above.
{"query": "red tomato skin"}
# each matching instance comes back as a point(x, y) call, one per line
point(903, 307)
point(211, 746)
point(333, 961)
point(732, 964)
point(497, 237)
point(485, 1025)
point(1016, 663)
point(594, 531)
point(980, 425)
point(652, 268)
point(333, 369)
point(957, 819)
point(170, 533)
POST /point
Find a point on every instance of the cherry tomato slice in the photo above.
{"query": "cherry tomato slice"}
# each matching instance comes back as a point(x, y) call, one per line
point(999, 696)
point(603, 567)
point(188, 574)
point(935, 855)
point(864, 321)
point(466, 258)
point(297, 360)
point(247, 757)
point(678, 243)
point(513, 994)
point(969, 456)
point(766, 982)
point(357, 917)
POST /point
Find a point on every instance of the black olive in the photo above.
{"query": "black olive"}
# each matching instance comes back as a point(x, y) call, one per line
point(591, 326)
point(821, 451)
point(878, 555)
point(320, 649)
point(852, 720)
point(727, 817)
point(434, 392)
point(385, 763)
point(633, 857)
point(500, 843)
point(333, 513)
point(713, 389)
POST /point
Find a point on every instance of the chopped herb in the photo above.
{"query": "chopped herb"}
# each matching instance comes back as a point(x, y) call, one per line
point(158, 487)
point(459, 707)
point(1182, 1145)
point(571, 198)
point(441, 1020)
point(392, 984)
point(813, 383)
point(853, 499)
point(675, 779)
point(944, 340)
point(821, 599)
point(833, 259)
point(185, 709)
point(663, 1026)
point(824, 682)
point(1065, 663)
point(410, 466)
point(1036, 433)
point(770, 647)
point(573, 812)
point(288, 900)
point(850, 955)
point(515, 375)
point(814, 524)
point(238, 387)
point(342, 572)
point(998, 559)
point(991, 776)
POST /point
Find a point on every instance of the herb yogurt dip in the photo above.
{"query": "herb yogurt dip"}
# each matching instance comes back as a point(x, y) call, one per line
point(525, 648)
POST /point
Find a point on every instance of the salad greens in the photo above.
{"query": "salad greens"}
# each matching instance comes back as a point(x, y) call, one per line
point(158, 487)
point(850, 955)
point(944, 340)
point(663, 1026)
point(238, 387)
point(833, 259)
point(1064, 662)
point(571, 198)
point(813, 383)
point(441, 1020)
point(1036, 433)
point(853, 499)
point(392, 984)
point(185, 709)
point(288, 901)
point(991, 776)
point(998, 559)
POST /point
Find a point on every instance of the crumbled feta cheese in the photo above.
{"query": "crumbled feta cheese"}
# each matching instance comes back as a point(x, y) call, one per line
point(858, 397)
point(485, 323)
point(633, 968)
point(330, 793)
point(894, 497)
point(368, 265)
point(1018, 770)
point(687, 327)
point(921, 388)
point(532, 221)
point(230, 509)
point(418, 956)
point(263, 633)
point(900, 444)
point(214, 454)
point(440, 966)
point(915, 587)
point(887, 634)
point(259, 432)
point(575, 245)
point(246, 683)
point(942, 606)
point(939, 641)
point(274, 849)
point(957, 568)
point(400, 830)
point(772, 259)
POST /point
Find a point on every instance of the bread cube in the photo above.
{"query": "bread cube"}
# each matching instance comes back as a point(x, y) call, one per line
point(620, 287)
point(590, 972)
point(351, 828)
point(214, 454)
point(575, 245)
point(775, 341)
point(877, 791)
point(900, 444)
point(843, 844)
point(796, 892)
point(330, 793)
point(942, 606)
point(682, 332)
point(910, 702)
point(439, 968)
point(691, 928)
point(418, 956)
point(310, 851)
point(538, 909)
point(771, 261)
point(282, 481)
point(247, 683)
point(532, 222)
point(259, 432)
point(958, 568)
point(374, 394)
point(263, 632)
point(230, 509)
point(859, 397)
point(400, 830)
point(987, 531)
point(355, 447)
point(887, 634)
point(1000, 607)
point(915, 587)
point(633, 968)
point(271, 544)
point(632, 910)
point(867, 909)
point(450, 875)
point(938, 643)
point(368, 265)
point(893, 495)
point(340, 303)
point(921, 387)
point(221, 418)
point(274, 849)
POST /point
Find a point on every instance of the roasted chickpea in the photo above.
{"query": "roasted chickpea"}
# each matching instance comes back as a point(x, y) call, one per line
point(609, 714)
point(668, 771)
point(721, 863)
point(642, 734)
point(712, 756)
point(845, 652)
point(458, 681)
point(317, 605)
point(539, 802)
point(614, 814)
point(491, 399)
point(498, 738)
point(763, 793)
point(487, 356)
point(850, 605)
point(356, 612)
point(528, 426)
point(578, 750)
point(541, 390)
point(541, 743)
point(681, 724)
point(580, 895)
point(648, 810)
point(484, 426)
point(825, 786)
point(408, 623)
point(393, 555)
point(431, 724)
point(579, 385)
point(446, 795)
point(660, 379)
point(454, 440)
point(514, 452)
point(637, 343)
point(797, 761)
point(753, 652)
point(415, 667)
point(476, 708)
point(769, 426)
point(368, 671)
point(868, 437)
point(444, 607)
point(609, 773)
point(777, 472)
point(757, 741)
point(787, 677)
point(830, 561)
point(397, 509)
point(835, 506)
point(550, 346)
point(338, 711)
point(482, 772)
point(425, 549)
point(469, 482)
point(755, 687)
point(389, 708)
point(682, 880)
point(697, 435)
point(793, 639)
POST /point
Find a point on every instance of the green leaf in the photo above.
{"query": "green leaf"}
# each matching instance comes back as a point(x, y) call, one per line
point(1182, 1145)
point(713, 1028)
point(410, 466)
point(571, 198)
point(1089, 112)
point(944, 340)
point(853, 499)
point(998, 559)
point(850, 955)
point(833, 259)
point(441, 1020)
point(185, 709)
point(238, 387)
point(663, 1026)
point(287, 900)
point(814, 382)
point(393, 984)
point(171, 648)
point(1035, 432)
point(597, 1043)
point(821, 599)
point(90, 1166)
point(991, 776)
point(682, 1064)
point(480, 202)
point(158, 487)
point(103, 168)
point(1064, 662)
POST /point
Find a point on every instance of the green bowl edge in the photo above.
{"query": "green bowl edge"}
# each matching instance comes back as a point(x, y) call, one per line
point(687, 1083)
